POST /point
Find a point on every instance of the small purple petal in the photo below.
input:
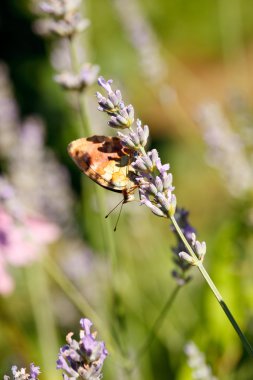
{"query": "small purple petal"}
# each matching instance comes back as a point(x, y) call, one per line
point(86, 325)
point(106, 85)
point(159, 184)
point(34, 371)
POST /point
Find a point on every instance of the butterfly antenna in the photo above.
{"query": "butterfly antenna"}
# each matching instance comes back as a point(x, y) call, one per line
point(122, 201)
point(116, 224)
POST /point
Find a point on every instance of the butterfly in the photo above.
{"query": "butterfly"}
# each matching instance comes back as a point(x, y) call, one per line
point(107, 162)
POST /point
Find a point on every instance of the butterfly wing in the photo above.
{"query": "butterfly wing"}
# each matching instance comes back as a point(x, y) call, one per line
point(105, 160)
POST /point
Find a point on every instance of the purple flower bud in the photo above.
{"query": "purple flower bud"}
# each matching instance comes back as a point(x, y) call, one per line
point(186, 257)
point(105, 105)
point(121, 121)
point(148, 163)
point(143, 133)
point(164, 202)
point(84, 358)
point(80, 81)
point(126, 140)
point(109, 106)
point(34, 371)
point(135, 138)
point(157, 211)
point(153, 154)
point(152, 189)
point(115, 98)
point(159, 184)
point(173, 203)
point(99, 96)
point(167, 181)
point(106, 85)
point(139, 165)
point(113, 122)
point(130, 111)
point(21, 374)
point(200, 249)
point(162, 168)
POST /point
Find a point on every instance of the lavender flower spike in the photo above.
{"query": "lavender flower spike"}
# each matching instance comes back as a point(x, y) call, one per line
point(21, 374)
point(182, 259)
point(121, 116)
point(83, 359)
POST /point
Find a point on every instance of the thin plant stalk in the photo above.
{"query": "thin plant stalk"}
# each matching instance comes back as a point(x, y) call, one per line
point(197, 262)
point(41, 305)
point(75, 296)
point(214, 289)
point(106, 227)
point(85, 129)
point(81, 304)
point(158, 323)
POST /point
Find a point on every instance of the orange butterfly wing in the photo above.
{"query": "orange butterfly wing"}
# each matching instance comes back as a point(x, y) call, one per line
point(106, 161)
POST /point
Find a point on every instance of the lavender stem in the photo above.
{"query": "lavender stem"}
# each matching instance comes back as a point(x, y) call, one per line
point(212, 286)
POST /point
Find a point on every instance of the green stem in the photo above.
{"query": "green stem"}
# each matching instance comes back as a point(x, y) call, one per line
point(158, 322)
point(212, 286)
point(106, 227)
point(40, 297)
point(76, 297)
point(85, 128)
point(83, 114)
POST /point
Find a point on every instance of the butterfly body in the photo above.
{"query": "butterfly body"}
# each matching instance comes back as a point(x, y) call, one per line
point(107, 162)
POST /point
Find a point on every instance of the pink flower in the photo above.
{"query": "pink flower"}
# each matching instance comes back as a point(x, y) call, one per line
point(21, 242)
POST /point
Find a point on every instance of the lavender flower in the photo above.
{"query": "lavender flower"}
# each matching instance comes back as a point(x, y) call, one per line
point(80, 81)
point(143, 38)
point(153, 67)
point(121, 116)
point(83, 359)
point(40, 182)
point(62, 18)
point(59, 8)
point(226, 149)
point(61, 28)
point(23, 375)
point(152, 177)
point(182, 265)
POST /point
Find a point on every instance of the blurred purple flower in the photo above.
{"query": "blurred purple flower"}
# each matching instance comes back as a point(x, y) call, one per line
point(62, 18)
point(139, 32)
point(59, 8)
point(226, 149)
point(21, 374)
point(78, 82)
point(83, 359)
point(40, 182)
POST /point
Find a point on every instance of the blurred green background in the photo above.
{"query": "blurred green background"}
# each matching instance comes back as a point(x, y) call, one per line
point(206, 48)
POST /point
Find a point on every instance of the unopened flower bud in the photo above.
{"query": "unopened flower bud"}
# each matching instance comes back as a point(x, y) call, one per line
point(186, 257)
point(159, 184)
point(200, 249)
point(173, 204)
